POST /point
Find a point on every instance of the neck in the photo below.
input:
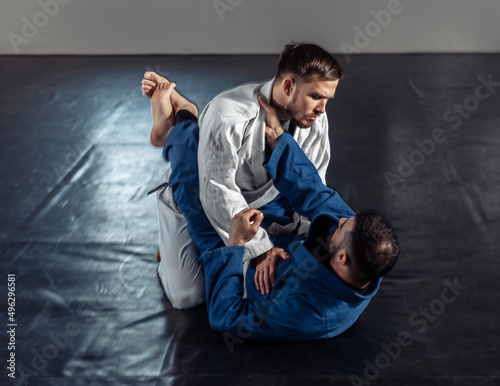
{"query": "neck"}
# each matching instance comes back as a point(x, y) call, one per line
point(343, 274)
point(278, 101)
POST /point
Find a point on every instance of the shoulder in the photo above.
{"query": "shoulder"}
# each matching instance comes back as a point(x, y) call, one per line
point(236, 105)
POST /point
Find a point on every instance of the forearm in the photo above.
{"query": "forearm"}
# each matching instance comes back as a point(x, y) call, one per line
point(220, 207)
point(296, 177)
point(228, 312)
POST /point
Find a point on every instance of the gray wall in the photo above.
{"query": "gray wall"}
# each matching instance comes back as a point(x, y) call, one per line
point(246, 26)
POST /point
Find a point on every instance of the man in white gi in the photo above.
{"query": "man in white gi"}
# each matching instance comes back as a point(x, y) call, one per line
point(232, 149)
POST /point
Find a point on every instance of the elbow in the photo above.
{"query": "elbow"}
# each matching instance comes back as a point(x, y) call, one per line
point(221, 325)
point(217, 325)
point(223, 321)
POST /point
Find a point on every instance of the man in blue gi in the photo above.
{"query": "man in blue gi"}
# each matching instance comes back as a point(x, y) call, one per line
point(319, 285)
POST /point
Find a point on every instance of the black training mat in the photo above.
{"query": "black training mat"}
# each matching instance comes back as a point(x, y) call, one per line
point(414, 136)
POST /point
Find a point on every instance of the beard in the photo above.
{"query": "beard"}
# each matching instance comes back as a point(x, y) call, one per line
point(294, 112)
point(334, 248)
point(303, 123)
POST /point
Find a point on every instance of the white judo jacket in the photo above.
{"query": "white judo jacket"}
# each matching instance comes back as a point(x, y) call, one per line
point(231, 153)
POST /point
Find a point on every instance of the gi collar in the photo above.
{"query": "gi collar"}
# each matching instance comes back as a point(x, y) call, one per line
point(313, 269)
point(322, 226)
point(267, 89)
point(317, 246)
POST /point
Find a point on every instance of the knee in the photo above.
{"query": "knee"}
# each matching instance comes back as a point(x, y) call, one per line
point(189, 297)
point(183, 288)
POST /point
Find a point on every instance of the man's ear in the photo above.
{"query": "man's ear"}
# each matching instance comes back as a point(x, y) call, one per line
point(342, 257)
point(288, 85)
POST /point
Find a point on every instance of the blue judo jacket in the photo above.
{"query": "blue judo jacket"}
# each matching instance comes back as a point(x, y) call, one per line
point(308, 301)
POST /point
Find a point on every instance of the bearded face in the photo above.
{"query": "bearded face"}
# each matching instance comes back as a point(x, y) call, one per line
point(308, 100)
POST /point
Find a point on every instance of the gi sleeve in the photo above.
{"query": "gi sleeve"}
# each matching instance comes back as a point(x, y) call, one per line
point(288, 317)
point(298, 180)
point(317, 149)
point(221, 136)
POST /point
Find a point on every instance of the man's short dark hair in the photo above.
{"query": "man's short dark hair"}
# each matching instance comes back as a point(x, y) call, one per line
point(372, 245)
point(303, 60)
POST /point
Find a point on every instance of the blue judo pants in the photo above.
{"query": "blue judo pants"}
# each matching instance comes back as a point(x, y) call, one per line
point(181, 150)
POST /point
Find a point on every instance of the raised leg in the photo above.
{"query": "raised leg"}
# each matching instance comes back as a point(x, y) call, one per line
point(184, 229)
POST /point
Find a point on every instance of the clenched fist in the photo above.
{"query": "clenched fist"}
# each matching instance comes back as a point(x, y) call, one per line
point(244, 226)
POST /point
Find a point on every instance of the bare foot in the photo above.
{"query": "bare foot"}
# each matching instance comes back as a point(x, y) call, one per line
point(150, 84)
point(163, 113)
